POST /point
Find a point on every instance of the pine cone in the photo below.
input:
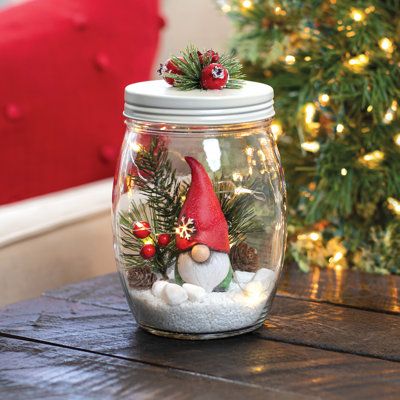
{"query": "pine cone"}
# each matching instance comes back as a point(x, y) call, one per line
point(244, 257)
point(141, 277)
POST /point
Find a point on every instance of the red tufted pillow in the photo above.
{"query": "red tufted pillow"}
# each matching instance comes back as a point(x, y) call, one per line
point(63, 68)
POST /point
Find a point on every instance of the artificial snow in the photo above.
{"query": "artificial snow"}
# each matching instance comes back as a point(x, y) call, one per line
point(243, 305)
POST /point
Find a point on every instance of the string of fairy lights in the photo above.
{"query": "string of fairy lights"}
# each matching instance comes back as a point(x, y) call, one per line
point(355, 63)
point(309, 124)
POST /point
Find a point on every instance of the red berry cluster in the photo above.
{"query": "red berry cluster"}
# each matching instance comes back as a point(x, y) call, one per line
point(213, 75)
point(171, 68)
point(142, 230)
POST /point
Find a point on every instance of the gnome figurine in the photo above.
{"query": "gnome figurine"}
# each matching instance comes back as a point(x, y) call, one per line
point(202, 235)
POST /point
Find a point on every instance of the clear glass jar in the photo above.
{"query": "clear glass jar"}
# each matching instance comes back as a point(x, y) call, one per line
point(199, 219)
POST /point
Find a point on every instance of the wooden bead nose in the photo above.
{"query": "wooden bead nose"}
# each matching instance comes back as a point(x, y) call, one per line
point(200, 253)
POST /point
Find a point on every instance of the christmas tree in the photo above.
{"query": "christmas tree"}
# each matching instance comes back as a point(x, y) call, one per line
point(335, 68)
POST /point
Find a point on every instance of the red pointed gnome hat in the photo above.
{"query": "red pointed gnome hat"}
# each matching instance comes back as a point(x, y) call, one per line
point(202, 211)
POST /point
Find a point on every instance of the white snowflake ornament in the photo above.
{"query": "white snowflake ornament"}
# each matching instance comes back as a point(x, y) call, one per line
point(185, 228)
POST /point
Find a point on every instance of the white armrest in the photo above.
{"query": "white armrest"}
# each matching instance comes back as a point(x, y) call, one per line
point(52, 240)
point(40, 214)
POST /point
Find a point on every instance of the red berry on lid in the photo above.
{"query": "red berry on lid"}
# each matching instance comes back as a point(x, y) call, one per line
point(212, 55)
point(171, 68)
point(214, 76)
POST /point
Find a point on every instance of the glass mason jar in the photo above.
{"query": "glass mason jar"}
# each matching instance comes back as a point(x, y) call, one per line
point(199, 209)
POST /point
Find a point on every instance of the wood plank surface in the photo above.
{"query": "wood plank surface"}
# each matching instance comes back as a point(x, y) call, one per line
point(249, 359)
point(344, 287)
point(348, 288)
point(313, 324)
point(33, 370)
point(335, 328)
point(104, 291)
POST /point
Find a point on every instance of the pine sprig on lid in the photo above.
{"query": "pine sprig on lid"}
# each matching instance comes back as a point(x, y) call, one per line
point(206, 70)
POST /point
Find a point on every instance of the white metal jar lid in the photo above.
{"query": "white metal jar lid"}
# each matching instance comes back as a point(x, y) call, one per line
point(156, 101)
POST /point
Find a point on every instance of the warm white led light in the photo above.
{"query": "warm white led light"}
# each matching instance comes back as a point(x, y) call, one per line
point(323, 99)
point(310, 112)
point(290, 60)
point(386, 45)
point(357, 15)
point(315, 236)
point(247, 3)
point(276, 129)
point(312, 147)
point(339, 128)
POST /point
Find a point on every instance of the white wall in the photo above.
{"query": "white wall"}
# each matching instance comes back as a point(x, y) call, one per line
point(199, 22)
point(4, 3)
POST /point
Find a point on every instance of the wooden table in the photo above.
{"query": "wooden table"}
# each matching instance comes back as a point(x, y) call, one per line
point(331, 335)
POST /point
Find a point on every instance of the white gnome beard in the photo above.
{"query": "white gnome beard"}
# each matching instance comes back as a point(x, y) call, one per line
point(208, 274)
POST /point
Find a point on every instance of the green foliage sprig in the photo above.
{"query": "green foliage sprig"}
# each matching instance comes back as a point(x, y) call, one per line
point(191, 67)
point(157, 182)
point(239, 209)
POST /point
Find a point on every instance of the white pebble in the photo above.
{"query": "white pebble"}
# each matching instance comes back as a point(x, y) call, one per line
point(243, 276)
point(194, 292)
point(174, 294)
point(158, 287)
point(265, 276)
point(254, 288)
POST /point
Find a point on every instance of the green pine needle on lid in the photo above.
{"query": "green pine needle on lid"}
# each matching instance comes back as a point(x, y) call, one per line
point(206, 70)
